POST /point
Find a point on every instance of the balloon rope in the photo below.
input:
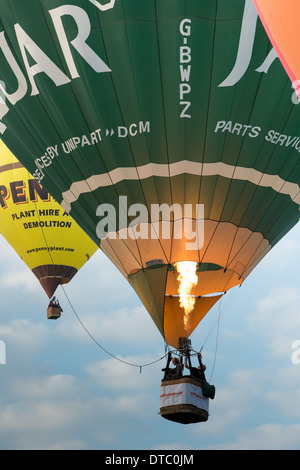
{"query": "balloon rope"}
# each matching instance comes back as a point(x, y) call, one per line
point(140, 366)
point(217, 341)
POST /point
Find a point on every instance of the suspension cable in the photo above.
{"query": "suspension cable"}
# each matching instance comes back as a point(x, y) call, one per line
point(217, 342)
point(140, 366)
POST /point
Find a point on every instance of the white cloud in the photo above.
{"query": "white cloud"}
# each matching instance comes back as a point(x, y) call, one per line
point(112, 328)
point(23, 337)
point(277, 320)
point(267, 437)
point(115, 375)
point(234, 400)
point(20, 279)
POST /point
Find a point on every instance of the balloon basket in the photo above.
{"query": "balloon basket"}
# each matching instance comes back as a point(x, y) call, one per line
point(53, 313)
point(182, 401)
point(186, 414)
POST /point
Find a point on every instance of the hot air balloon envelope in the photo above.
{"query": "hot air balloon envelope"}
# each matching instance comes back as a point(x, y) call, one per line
point(47, 239)
point(151, 122)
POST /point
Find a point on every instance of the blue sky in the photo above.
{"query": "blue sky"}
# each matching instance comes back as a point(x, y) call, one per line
point(59, 390)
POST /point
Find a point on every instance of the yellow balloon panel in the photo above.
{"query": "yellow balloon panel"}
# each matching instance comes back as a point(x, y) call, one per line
point(47, 239)
point(177, 324)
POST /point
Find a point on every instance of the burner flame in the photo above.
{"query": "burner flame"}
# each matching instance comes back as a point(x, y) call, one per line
point(187, 277)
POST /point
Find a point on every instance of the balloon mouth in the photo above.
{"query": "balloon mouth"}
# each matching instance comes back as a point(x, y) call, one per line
point(212, 279)
point(51, 276)
point(158, 288)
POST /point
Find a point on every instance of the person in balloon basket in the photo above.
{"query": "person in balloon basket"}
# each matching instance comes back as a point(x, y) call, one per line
point(177, 371)
point(197, 372)
point(54, 303)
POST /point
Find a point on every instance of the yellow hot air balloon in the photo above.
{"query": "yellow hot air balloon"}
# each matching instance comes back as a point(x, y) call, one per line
point(47, 239)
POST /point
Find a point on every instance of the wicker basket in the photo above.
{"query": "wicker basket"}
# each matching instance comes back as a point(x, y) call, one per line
point(53, 313)
point(185, 412)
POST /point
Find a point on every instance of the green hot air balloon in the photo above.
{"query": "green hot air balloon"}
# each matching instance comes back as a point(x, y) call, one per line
point(165, 127)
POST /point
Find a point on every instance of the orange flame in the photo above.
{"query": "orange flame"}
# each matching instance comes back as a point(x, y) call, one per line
point(187, 277)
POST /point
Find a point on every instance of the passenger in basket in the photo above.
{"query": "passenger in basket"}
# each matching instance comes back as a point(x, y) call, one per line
point(197, 372)
point(54, 303)
point(177, 371)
